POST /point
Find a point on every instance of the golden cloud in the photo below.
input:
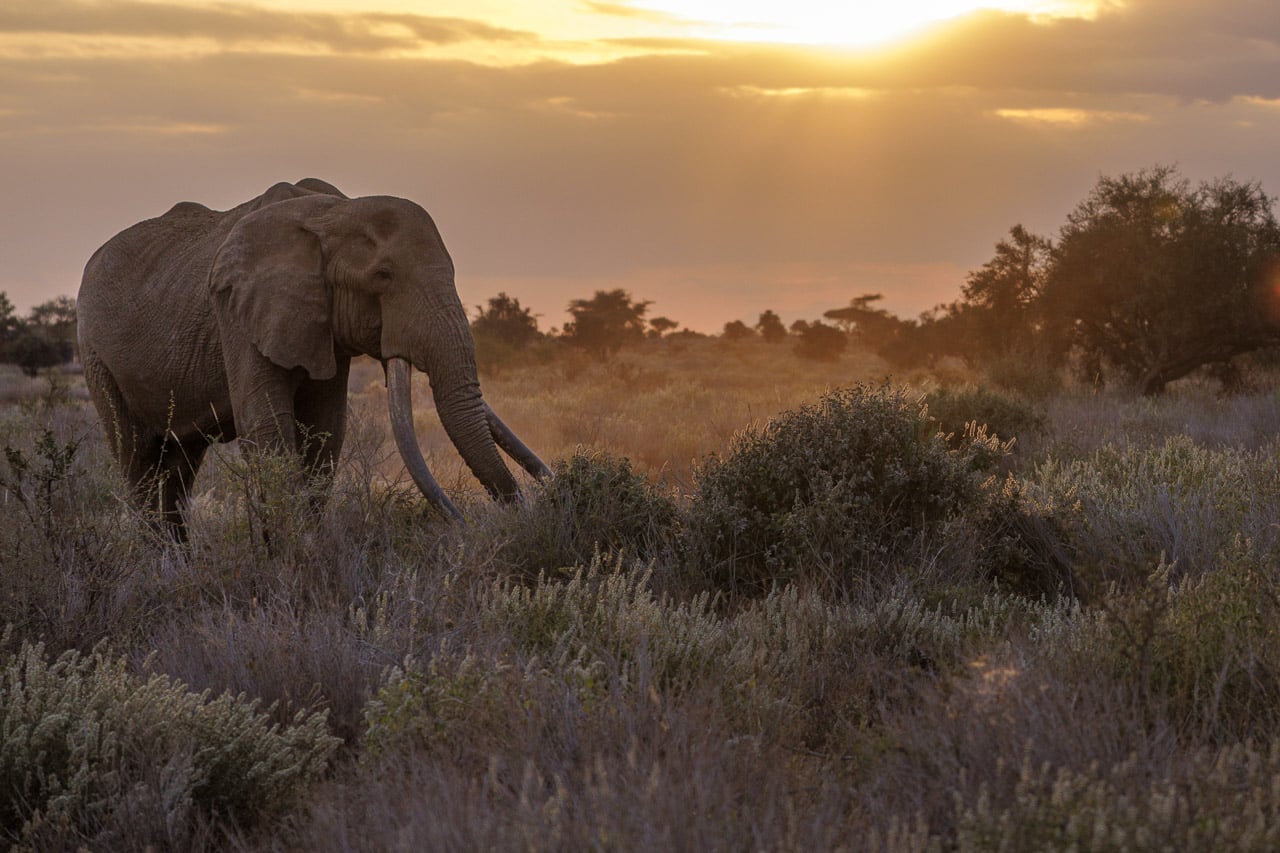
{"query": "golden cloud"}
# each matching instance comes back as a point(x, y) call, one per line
point(1068, 116)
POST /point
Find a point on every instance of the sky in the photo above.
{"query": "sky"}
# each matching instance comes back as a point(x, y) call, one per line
point(717, 157)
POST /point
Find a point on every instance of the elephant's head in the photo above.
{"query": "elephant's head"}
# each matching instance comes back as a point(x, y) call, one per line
point(319, 276)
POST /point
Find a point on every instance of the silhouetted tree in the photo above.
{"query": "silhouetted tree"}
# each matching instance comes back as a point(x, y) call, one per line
point(506, 321)
point(9, 322)
point(938, 333)
point(45, 338)
point(55, 320)
point(1001, 300)
point(31, 350)
point(736, 330)
point(604, 323)
point(819, 341)
point(660, 326)
point(872, 327)
point(770, 328)
point(1154, 278)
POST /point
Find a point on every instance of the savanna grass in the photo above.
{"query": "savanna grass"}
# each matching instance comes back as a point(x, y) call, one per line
point(572, 671)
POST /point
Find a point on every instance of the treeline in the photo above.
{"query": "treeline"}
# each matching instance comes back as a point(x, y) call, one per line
point(1150, 279)
point(44, 338)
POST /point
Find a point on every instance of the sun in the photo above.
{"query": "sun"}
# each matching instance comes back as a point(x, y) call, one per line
point(862, 23)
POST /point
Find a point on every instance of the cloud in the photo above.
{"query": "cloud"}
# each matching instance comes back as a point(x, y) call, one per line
point(1067, 116)
point(798, 92)
point(232, 24)
point(624, 10)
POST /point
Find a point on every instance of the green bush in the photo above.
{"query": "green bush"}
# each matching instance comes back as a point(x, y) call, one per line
point(1027, 376)
point(1002, 415)
point(594, 502)
point(831, 489)
point(1132, 506)
point(457, 705)
point(1205, 652)
point(1209, 799)
point(608, 612)
point(93, 754)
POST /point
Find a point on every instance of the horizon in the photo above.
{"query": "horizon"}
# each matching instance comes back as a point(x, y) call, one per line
point(716, 159)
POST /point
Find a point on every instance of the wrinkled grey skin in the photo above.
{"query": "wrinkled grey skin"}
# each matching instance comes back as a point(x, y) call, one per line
point(204, 324)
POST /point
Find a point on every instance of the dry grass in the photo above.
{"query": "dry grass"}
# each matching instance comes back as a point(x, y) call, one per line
point(664, 406)
point(560, 674)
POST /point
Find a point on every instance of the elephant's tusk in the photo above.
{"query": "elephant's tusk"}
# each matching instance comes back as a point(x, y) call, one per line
point(400, 406)
point(514, 447)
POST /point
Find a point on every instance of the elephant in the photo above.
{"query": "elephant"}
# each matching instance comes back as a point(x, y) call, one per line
point(203, 325)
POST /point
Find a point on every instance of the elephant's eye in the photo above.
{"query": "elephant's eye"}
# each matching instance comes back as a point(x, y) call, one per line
point(383, 274)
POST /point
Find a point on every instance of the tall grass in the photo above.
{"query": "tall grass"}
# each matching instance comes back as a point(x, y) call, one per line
point(1077, 649)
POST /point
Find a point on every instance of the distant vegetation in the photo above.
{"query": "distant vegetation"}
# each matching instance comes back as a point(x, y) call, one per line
point(44, 338)
point(1150, 280)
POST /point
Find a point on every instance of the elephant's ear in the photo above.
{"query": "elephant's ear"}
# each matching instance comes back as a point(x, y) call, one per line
point(268, 282)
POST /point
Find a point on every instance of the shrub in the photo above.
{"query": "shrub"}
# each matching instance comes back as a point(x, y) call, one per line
point(1026, 375)
point(608, 612)
point(1003, 416)
point(93, 753)
point(1205, 651)
point(831, 488)
point(1179, 501)
point(456, 706)
point(820, 342)
point(594, 501)
point(789, 673)
point(1209, 799)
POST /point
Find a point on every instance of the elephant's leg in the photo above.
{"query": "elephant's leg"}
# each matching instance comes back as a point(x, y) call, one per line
point(262, 396)
point(175, 474)
point(138, 450)
point(321, 412)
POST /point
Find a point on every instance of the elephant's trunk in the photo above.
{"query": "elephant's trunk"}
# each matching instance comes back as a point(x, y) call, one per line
point(446, 353)
point(450, 364)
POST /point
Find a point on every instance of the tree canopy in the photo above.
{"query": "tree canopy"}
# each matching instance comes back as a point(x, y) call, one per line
point(818, 341)
point(45, 338)
point(506, 321)
point(770, 327)
point(1153, 277)
point(604, 323)
point(660, 326)
point(1150, 279)
point(1003, 296)
point(872, 327)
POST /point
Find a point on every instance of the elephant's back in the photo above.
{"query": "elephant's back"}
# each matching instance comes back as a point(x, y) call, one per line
point(143, 310)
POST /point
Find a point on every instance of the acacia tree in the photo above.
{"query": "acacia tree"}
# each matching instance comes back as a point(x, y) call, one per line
point(1154, 278)
point(604, 323)
point(660, 326)
point(872, 327)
